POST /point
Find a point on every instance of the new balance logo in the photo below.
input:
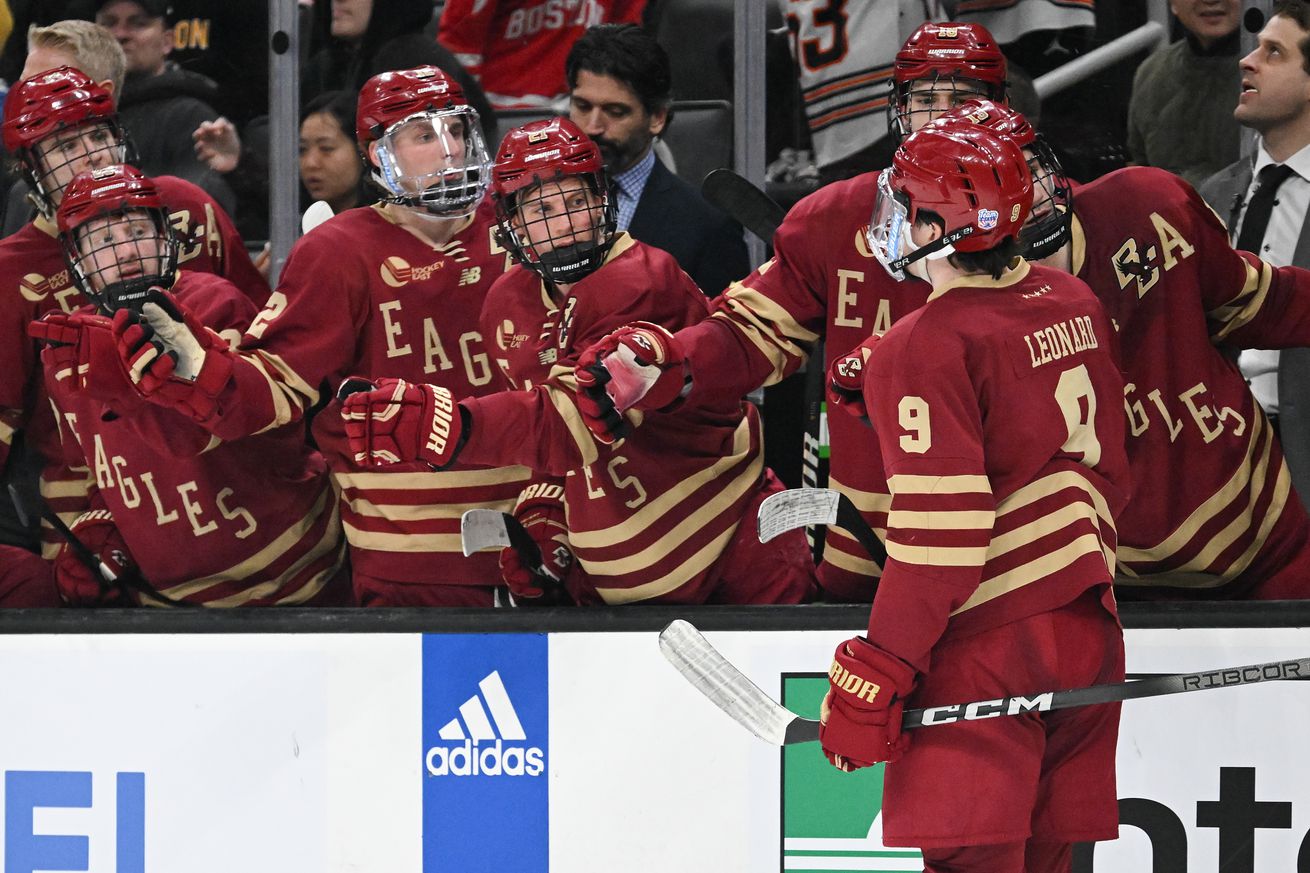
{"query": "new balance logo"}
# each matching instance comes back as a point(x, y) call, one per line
point(496, 722)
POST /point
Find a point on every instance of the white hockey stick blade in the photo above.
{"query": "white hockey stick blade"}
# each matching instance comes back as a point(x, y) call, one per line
point(318, 212)
point(729, 689)
point(795, 507)
point(481, 529)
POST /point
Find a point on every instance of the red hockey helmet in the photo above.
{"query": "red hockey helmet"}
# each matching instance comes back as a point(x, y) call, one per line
point(448, 174)
point(47, 104)
point(1049, 224)
point(943, 64)
point(973, 180)
point(560, 229)
point(116, 236)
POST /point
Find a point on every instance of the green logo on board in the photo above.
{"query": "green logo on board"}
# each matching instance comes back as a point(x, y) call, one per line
point(830, 820)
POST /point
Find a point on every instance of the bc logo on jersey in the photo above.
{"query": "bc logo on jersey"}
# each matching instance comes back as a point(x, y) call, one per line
point(485, 724)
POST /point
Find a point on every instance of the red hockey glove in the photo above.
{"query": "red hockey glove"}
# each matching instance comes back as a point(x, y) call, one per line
point(399, 421)
point(860, 721)
point(542, 516)
point(846, 379)
point(84, 343)
point(78, 584)
point(173, 359)
point(638, 366)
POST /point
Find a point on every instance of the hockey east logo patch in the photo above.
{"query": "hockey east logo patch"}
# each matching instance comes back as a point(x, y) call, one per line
point(485, 731)
point(830, 820)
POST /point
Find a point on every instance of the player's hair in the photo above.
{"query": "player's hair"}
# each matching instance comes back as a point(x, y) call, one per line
point(1298, 11)
point(627, 53)
point(93, 49)
point(993, 261)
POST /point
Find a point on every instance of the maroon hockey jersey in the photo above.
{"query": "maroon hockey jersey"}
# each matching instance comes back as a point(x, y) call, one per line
point(1212, 498)
point(34, 280)
point(996, 409)
point(362, 295)
point(650, 515)
point(246, 523)
point(517, 48)
point(822, 282)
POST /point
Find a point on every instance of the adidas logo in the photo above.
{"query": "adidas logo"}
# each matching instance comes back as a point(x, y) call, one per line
point(498, 723)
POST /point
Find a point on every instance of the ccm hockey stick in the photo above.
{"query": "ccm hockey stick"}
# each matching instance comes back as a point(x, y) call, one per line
point(802, 507)
point(132, 579)
point(729, 689)
point(747, 204)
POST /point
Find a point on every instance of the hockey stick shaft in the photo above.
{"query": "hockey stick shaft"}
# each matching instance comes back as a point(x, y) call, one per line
point(802, 507)
point(744, 202)
point(726, 686)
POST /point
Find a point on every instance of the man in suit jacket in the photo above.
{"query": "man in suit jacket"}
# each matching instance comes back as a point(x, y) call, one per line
point(619, 94)
point(1275, 102)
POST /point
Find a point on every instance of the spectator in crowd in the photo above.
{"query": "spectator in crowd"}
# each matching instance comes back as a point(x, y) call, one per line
point(1038, 34)
point(394, 289)
point(361, 44)
point(330, 169)
point(1180, 116)
point(160, 104)
point(823, 283)
point(251, 522)
point(1265, 201)
point(619, 85)
point(516, 47)
point(228, 43)
point(672, 519)
point(58, 124)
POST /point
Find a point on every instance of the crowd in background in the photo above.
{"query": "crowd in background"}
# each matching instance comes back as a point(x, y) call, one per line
point(190, 90)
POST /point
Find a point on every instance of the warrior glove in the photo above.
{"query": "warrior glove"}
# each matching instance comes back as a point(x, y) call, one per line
point(860, 720)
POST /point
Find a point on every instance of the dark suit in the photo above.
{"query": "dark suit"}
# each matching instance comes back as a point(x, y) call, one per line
point(707, 244)
point(1224, 192)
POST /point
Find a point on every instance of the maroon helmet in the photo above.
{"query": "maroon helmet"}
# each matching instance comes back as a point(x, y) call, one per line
point(128, 199)
point(562, 231)
point(393, 106)
point(1050, 223)
point(971, 178)
point(62, 99)
point(960, 59)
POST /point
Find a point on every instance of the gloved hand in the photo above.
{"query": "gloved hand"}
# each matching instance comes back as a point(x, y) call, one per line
point(399, 421)
point(173, 359)
point(542, 516)
point(639, 366)
point(860, 720)
point(84, 343)
point(78, 584)
point(846, 379)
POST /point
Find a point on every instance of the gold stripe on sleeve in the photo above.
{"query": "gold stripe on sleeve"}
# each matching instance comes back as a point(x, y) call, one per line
point(937, 556)
point(1039, 568)
point(434, 480)
point(1240, 311)
point(689, 569)
point(966, 484)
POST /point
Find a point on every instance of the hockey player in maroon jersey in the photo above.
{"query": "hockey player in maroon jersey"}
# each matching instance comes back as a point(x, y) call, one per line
point(394, 289)
point(245, 523)
point(1212, 513)
point(996, 411)
point(823, 283)
point(57, 124)
point(666, 516)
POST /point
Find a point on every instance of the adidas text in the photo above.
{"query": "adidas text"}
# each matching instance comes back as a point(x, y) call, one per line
point(470, 759)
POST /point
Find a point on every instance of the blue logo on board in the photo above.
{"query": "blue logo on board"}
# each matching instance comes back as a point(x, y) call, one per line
point(485, 741)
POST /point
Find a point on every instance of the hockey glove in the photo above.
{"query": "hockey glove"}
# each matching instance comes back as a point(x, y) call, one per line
point(398, 421)
point(846, 379)
point(639, 366)
point(81, 585)
point(860, 720)
point(173, 359)
point(542, 516)
point(84, 343)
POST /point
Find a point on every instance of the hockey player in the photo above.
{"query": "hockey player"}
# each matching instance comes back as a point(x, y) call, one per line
point(246, 523)
point(57, 124)
point(1213, 513)
point(824, 283)
point(996, 412)
point(666, 516)
point(393, 289)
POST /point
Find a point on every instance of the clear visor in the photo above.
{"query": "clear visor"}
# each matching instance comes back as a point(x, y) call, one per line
point(435, 159)
point(889, 229)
